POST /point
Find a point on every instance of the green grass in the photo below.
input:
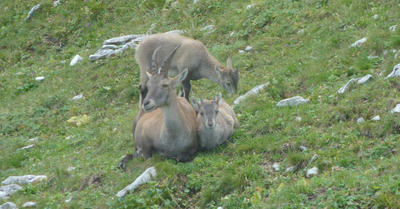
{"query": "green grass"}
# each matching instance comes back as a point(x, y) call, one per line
point(358, 163)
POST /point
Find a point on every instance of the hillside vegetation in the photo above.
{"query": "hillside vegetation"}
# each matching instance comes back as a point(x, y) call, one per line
point(358, 163)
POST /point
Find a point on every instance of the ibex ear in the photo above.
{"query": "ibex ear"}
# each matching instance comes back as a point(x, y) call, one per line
point(195, 104)
point(179, 78)
point(218, 71)
point(229, 63)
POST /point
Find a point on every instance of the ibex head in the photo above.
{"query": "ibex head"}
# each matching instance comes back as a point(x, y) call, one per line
point(160, 85)
point(228, 77)
point(208, 111)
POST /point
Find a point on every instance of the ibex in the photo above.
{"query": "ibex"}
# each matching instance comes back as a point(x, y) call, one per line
point(166, 123)
point(215, 120)
point(192, 55)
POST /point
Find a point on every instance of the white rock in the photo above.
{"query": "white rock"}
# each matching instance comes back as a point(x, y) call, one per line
point(276, 166)
point(241, 51)
point(115, 129)
point(396, 109)
point(8, 205)
point(250, 6)
point(365, 79)
point(75, 60)
point(248, 49)
point(375, 17)
point(253, 91)
point(24, 179)
point(395, 72)
point(291, 169)
point(298, 119)
point(232, 33)
point(376, 118)
point(77, 97)
point(33, 10)
point(145, 177)
point(121, 40)
point(10, 189)
point(360, 120)
point(68, 200)
point(41, 78)
point(33, 139)
point(56, 3)
point(303, 148)
point(359, 42)
point(393, 28)
point(293, 101)
point(3, 196)
point(301, 31)
point(27, 147)
point(312, 172)
point(69, 169)
point(220, 207)
point(29, 205)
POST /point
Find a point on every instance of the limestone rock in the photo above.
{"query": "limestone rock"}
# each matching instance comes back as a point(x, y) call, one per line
point(40, 78)
point(376, 118)
point(359, 42)
point(395, 72)
point(352, 81)
point(291, 169)
point(29, 205)
point(360, 120)
point(312, 172)
point(293, 101)
point(301, 31)
point(248, 49)
point(276, 167)
point(24, 179)
point(75, 60)
point(365, 79)
point(77, 97)
point(10, 189)
point(8, 205)
point(303, 148)
point(33, 11)
point(396, 109)
point(145, 177)
point(253, 91)
point(393, 28)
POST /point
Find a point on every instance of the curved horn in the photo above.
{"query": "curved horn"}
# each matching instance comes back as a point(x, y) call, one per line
point(154, 64)
point(165, 66)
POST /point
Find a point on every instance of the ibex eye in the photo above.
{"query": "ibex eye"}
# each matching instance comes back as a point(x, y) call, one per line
point(216, 111)
point(201, 113)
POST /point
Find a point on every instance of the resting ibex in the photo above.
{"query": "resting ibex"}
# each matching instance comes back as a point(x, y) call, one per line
point(215, 121)
point(192, 55)
point(166, 123)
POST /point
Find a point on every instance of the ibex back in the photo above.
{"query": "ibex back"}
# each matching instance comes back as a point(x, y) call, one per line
point(192, 55)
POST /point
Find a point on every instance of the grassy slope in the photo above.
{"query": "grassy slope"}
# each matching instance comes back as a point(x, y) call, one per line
point(358, 163)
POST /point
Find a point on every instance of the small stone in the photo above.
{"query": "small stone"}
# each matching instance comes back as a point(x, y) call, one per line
point(359, 42)
point(41, 78)
point(393, 28)
point(276, 167)
point(293, 101)
point(250, 6)
point(77, 97)
point(68, 137)
point(360, 120)
point(210, 28)
point(33, 11)
point(303, 148)
point(396, 109)
point(69, 169)
point(63, 62)
point(375, 17)
point(24, 179)
point(232, 33)
point(56, 3)
point(372, 57)
point(301, 31)
point(8, 205)
point(312, 172)
point(314, 158)
point(298, 119)
point(395, 72)
point(241, 51)
point(220, 207)
point(68, 200)
point(10, 189)
point(248, 49)
point(75, 60)
point(29, 205)
point(115, 129)
point(291, 169)
point(27, 147)
point(376, 118)
point(33, 139)
point(196, 1)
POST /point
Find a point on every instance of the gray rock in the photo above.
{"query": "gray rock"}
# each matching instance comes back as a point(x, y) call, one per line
point(196, 1)
point(10, 189)
point(301, 31)
point(3, 196)
point(145, 177)
point(29, 205)
point(359, 42)
point(361, 80)
point(232, 33)
point(396, 109)
point(250, 6)
point(248, 49)
point(253, 91)
point(27, 147)
point(360, 120)
point(291, 169)
point(376, 118)
point(69, 169)
point(77, 97)
point(298, 119)
point(8, 205)
point(33, 11)
point(75, 60)
point(375, 17)
point(314, 158)
point(56, 3)
point(121, 40)
point(24, 179)
point(303, 148)
point(40, 78)
point(365, 79)
point(312, 172)
point(395, 72)
point(276, 167)
point(293, 101)
point(393, 28)
point(241, 51)
point(209, 28)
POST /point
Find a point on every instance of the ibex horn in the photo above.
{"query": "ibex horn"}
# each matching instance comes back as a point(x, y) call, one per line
point(165, 66)
point(154, 65)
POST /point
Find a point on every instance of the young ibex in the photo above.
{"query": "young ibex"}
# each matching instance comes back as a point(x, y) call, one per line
point(166, 123)
point(215, 120)
point(192, 55)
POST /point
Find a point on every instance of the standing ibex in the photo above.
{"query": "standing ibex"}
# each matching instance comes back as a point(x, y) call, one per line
point(167, 123)
point(192, 55)
point(215, 121)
